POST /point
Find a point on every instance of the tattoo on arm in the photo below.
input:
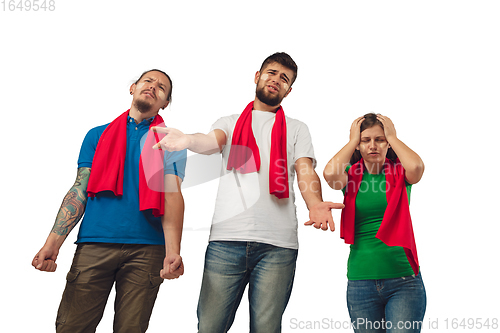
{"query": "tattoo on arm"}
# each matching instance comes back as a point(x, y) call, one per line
point(73, 205)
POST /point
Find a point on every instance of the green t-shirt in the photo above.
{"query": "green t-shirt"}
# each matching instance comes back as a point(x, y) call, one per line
point(369, 257)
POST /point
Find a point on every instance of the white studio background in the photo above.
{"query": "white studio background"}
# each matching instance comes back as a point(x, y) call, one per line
point(431, 66)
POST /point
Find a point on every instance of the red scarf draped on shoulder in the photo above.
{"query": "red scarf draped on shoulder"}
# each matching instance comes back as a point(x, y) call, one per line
point(109, 161)
point(245, 157)
point(396, 228)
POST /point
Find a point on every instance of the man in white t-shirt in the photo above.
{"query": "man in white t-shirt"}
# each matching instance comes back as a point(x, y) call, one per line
point(253, 239)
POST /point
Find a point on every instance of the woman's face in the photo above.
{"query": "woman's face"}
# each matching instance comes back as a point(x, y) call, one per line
point(373, 146)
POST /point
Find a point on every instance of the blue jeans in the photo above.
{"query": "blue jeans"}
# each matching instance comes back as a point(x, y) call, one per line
point(387, 305)
point(229, 267)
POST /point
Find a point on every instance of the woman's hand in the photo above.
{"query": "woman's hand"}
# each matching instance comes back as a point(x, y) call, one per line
point(412, 163)
point(389, 129)
point(355, 134)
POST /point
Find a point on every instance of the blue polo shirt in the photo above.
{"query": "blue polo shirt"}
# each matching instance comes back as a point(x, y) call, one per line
point(117, 219)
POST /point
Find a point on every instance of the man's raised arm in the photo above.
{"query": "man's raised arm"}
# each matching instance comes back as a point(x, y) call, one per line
point(175, 140)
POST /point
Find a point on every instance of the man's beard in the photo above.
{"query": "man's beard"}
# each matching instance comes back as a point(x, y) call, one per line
point(271, 100)
point(143, 106)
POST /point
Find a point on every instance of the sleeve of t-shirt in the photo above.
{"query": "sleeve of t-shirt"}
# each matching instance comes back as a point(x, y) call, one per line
point(225, 124)
point(303, 144)
point(175, 163)
point(346, 170)
point(89, 146)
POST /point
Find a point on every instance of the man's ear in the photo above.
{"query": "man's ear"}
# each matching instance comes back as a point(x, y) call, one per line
point(289, 89)
point(166, 104)
point(257, 77)
point(132, 88)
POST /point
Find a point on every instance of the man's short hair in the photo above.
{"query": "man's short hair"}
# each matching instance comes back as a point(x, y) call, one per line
point(169, 95)
point(283, 59)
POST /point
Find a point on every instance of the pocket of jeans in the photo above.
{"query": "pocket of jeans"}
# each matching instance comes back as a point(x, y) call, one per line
point(413, 282)
point(72, 275)
point(155, 280)
point(68, 296)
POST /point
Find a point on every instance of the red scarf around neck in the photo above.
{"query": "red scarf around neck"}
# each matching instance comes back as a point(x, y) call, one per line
point(109, 161)
point(245, 157)
point(396, 228)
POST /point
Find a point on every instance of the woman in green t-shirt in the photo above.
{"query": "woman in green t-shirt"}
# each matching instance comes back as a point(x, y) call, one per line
point(376, 170)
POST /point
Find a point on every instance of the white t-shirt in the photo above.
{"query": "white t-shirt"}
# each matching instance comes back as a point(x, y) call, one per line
point(244, 208)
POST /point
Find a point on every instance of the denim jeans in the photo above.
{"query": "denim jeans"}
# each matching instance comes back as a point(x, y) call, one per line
point(229, 267)
point(387, 305)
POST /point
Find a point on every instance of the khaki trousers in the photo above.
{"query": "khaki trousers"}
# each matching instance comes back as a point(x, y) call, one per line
point(135, 271)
